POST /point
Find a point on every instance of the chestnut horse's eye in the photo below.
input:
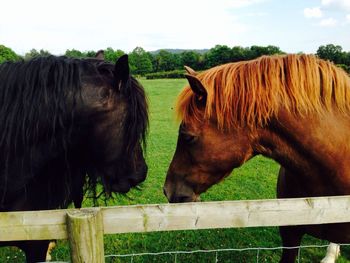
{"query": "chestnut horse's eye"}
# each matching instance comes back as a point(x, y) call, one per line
point(188, 138)
point(185, 136)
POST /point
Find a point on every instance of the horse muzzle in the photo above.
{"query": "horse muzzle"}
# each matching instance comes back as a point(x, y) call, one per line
point(123, 185)
point(180, 193)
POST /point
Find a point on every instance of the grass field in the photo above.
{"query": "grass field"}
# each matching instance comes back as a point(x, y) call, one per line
point(255, 180)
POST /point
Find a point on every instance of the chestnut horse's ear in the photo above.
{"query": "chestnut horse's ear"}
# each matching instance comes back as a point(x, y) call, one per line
point(100, 55)
point(197, 87)
point(190, 71)
point(121, 70)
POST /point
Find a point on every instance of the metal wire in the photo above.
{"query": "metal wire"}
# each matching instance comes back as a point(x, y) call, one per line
point(258, 249)
point(216, 251)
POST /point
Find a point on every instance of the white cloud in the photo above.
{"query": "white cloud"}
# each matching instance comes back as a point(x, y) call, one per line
point(329, 22)
point(313, 12)
point(348, 17)
point(335, 8)
point(340, 5)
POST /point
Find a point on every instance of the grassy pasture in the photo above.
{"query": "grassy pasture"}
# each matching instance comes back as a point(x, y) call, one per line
point(255, 180)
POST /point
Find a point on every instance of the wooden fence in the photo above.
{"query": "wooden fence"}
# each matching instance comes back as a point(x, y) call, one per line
point(85, 227)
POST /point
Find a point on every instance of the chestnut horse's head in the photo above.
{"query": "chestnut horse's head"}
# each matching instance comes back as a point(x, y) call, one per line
point(205, 152)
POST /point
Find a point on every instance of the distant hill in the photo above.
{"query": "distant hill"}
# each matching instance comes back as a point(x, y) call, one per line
point(178, 51)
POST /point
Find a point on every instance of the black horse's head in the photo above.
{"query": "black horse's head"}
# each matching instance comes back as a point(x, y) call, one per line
point(117, 121)
point(63, 118)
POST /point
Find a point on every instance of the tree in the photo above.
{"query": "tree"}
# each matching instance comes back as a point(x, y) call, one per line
point(220, 54)
point(258, 51)
point(7, 54)
point(239, 54)
point(33, 53)
point(90, 54)
point(273, 50)
point(347, 58)
point(331, 52)
point(140, 62)
point(73, 53)
point(112, 55)
point(166, 61)
point(191, 59)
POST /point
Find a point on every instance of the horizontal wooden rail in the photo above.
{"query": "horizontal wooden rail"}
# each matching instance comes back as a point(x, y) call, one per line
point(51, 224)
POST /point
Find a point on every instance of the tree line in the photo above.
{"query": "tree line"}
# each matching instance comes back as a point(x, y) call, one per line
point(143, 62)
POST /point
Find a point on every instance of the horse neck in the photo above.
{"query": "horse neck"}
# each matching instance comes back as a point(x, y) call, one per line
point(307, 144)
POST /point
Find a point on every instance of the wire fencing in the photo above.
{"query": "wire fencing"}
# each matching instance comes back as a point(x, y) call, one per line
point(215, 253)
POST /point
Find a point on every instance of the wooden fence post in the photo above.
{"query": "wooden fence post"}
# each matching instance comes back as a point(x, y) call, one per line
point(85, 232)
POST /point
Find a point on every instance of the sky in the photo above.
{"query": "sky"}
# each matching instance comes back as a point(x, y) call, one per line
point(293, 25)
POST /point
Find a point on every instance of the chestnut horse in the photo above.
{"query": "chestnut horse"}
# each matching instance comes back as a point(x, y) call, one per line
point(294, 109)
point(290, 185)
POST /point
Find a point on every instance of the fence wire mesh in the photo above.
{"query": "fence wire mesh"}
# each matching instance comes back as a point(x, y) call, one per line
point(174, 256)
point(215, 252)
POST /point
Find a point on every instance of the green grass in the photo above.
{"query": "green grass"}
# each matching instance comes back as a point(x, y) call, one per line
point(255, 180)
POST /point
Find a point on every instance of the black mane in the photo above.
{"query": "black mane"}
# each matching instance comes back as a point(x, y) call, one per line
point(33, 99)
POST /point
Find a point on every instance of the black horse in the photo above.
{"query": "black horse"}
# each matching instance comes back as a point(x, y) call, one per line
point(67, 124)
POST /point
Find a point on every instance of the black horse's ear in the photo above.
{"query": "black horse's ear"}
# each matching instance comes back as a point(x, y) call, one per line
point(197, 87)
point(100, 55)
point(121, 70)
